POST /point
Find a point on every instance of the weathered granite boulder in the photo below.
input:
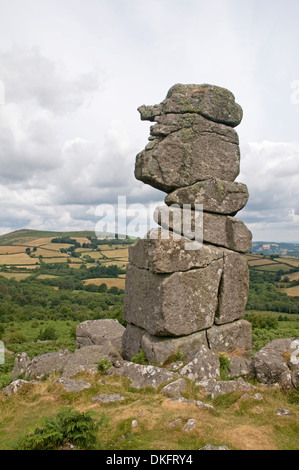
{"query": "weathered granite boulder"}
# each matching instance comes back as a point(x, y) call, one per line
point(96, 332)
point(219, 230)
point(159, 349)
point(275, 361)
point(71, 385)
point(22, 361)
point(215, 195)
point(132, 341)
point(205, 365)
point(295, 379)
point(240, 367)
point(162, 251)
point(235, 337)
point(109, 398)
point(222, 387)
point(172, 304)
point(190, 425)
point(88, 358)
point(174, 389)
point(215, 103)
point(17, 385)
point(142, 375)
point(45, 364)
point(234, 287)
point(200, 150)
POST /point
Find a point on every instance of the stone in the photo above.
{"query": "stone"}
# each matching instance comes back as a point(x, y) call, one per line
point(240, 367)
point(165, 252)
point(45, 364)
point(158, 349)
point(183, 400)
point(215, 103)
point(175, 366)
point(205, 365)
point(215, 195)
point(15, 386)
point(257, 397)
point(174, 389)
point(175, 422)
point(283, 412)
point(223, 387)
point(285, 380)
point(71, 385)
point(295, 379)
point(235, 337)
point(234, 288)
point(132, 341)
point(190, 425)
point(109, 398)
point(211, 447)
point(22, 361)
point(172, 304)
point(199, 151)
point(142, 375)
point(96, 332)
point(88, 358)
point(219, 230)
point(204, 406)
point(271, 362)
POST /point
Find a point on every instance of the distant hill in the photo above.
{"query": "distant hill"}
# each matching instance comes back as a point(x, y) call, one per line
point(25, 235)
point(272, 248)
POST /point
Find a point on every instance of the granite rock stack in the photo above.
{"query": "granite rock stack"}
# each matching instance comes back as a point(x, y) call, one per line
point(179, 299)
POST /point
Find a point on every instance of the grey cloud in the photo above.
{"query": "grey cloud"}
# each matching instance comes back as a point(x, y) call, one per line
point(30, 76)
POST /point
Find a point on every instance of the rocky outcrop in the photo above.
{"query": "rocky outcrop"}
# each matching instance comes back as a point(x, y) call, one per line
point(142, 375)
point(216, 388)
point(278, 362)
point(45, 364)
point(187, 282)
point(17, 385)
point(88, 359)
point(205, 365)
point(216, 196)
point(21, 363)
point(71, 385)
point(97, 332)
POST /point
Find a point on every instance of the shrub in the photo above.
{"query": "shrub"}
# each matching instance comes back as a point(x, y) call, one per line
point(140, 358)
point(49, 334)
point(104, 365)
point(17, 338)
point(67, 427)
point(224, 367)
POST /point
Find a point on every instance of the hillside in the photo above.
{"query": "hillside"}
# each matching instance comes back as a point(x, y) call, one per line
point(24, 235)
point(270, 248)
point(51, 281)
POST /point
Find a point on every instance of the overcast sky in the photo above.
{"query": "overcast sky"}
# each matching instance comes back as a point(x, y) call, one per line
point(75, 71)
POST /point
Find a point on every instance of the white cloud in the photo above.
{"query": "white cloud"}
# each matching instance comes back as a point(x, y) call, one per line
point(74, 77)
point(271, 172)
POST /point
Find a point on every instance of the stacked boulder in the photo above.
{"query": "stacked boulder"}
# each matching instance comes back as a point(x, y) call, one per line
point(179, 299)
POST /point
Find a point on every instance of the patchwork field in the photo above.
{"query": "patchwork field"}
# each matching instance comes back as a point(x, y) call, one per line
point(16, 276)
point(261, 262)
point(9, 250)
point(18, 259)
point(292, 291)
point(109, 281)
point(15, 260)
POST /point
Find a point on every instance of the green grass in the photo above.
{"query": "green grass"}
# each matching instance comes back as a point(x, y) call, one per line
point(238, 424)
